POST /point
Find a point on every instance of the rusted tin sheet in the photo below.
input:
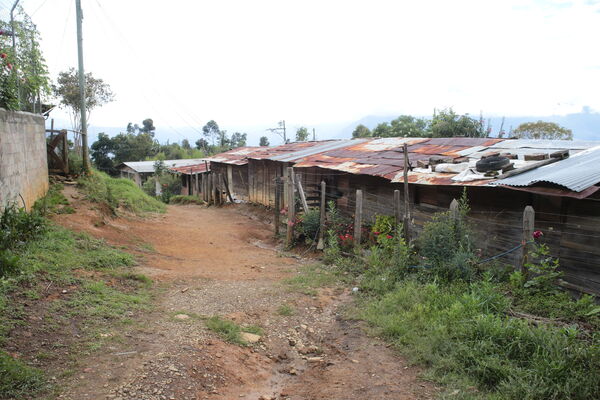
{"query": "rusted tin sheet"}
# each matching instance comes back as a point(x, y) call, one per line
point(190, 169)
point(237, 156)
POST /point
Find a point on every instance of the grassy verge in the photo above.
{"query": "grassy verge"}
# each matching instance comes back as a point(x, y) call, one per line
point(311, 277)
point(230, 331)
point(63, 289)
point(118, 193)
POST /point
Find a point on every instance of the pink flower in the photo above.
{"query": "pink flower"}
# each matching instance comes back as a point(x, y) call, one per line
point(9, 66)
point(389, 236)
point(537, 234)
point(376, 233)
point(3, 55)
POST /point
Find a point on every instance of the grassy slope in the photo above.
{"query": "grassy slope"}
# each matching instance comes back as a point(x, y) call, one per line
point(64, 280)
point(119, 193)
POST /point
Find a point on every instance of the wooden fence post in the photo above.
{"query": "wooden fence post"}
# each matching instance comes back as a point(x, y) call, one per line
point(197, 185)
point(226, 183)
point(277, 207)
point(358, 217)
point(323, 208)
point(397, 212)
point(528, 224)
point(291, 207)
point(406, 220)
point(454, 209)
point(65, 151)
point(301, 192)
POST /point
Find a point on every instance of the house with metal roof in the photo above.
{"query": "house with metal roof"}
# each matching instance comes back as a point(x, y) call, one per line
point(139, 171)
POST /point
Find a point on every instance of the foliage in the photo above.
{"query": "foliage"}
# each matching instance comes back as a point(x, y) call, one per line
point(17, 227)
point(309, 224)
point(230, 331)
point(54, 202)
point(447, 123)
point(311, 277)
point(403, 126)
point(542, 130)
point(302, 134)
point(66, 89)
point(23, 73)
point(461, 332)
point(384, 226)
point(286, 310)
point(387, 264)
point(17, 380)
point(264, 141)
point(446, 244)
point(361, 131)
point(118, 192)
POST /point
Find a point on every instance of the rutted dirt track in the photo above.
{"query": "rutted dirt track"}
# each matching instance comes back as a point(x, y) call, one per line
point(212, 261)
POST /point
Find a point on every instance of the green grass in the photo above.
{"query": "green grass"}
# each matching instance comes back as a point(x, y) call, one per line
point(183, 199)
point(102, 289)
point(54, 202)
point(230, 331)
point(311, 277)
point(17, 380)
point(119, 193)
point(463, 334)
point(286, 310)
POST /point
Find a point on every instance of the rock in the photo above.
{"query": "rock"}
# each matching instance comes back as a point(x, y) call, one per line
point(249, 337)
point(182, 316)
point(308, 349)
point(291, 342)
point(355, 361)
point(314, 359)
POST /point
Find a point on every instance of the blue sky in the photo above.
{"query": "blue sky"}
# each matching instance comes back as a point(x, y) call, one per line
point(326, 63)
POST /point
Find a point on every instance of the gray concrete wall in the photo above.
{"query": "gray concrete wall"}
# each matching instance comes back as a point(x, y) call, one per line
point(23, 159)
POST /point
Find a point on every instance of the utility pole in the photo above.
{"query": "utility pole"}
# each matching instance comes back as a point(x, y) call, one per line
point(280, 131)
point(314, 136)
point(84, 141)
point(14, 47)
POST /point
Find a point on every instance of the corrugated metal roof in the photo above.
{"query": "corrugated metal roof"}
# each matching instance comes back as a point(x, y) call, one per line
point(237, 156)
point(191, 169)
point(319, 148)
point(576, 173)
point(145, 167)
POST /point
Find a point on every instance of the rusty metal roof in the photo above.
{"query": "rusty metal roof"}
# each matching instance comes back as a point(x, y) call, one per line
point(191, 169)
point(237, 156)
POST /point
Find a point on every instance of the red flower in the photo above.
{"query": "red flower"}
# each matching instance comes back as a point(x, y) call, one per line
point(537, 234)
point(376, 233)
point(9, 66)
point(3, 55)
point(389, 236)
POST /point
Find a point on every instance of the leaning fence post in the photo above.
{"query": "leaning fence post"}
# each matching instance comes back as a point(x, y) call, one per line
point(291, 207)
point(528, 223)
point(277, 205)
point(301, 192)
point(321, 242)
point(358, 217)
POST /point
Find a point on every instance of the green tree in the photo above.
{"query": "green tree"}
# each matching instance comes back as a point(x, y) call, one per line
point(238, 139)
point(301, 134)
point(211, 131)
point(66, 89)
point(264, 141)
point(148, 126)
point(447, 123)
point(361, 131)
point(409, 126)
point(185, 144)
point(102, 153)
point(382, 130)
point(202, 144)
point(542, 130)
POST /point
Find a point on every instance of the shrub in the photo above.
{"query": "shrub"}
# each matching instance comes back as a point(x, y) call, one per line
point(387, 264)
point(184, 199)
point(309, 224)
point(446, 244)
point(17, 227)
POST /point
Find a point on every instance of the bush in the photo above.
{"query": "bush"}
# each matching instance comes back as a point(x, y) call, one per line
point(17, 227)
point(183, 199)
point(309, 224)
point(387, 264)
point(170, 186)
point(446, 244)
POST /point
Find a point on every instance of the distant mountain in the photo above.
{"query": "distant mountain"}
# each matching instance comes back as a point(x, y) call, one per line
point(585, 125)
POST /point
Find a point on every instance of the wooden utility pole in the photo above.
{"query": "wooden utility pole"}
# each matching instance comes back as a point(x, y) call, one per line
point(314, 135)
point(528, 224)
point(358, 217)
point(226, 183)
point(291, 203)
point(82, 105)
point(406, 198)
point(323, 208)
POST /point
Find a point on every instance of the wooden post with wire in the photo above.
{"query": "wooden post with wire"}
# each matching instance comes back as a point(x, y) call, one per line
point(406, 220)
point(291, 203)
point(397, 212)
point(323, 209)
point(301, 192)
point(358, 217)
point(277, 207)
point(528, 225)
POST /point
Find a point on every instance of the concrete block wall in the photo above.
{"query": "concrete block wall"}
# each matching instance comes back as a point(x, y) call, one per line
point(23, 159)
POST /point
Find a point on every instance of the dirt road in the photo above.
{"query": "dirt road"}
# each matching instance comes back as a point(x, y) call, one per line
point(210, 261)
